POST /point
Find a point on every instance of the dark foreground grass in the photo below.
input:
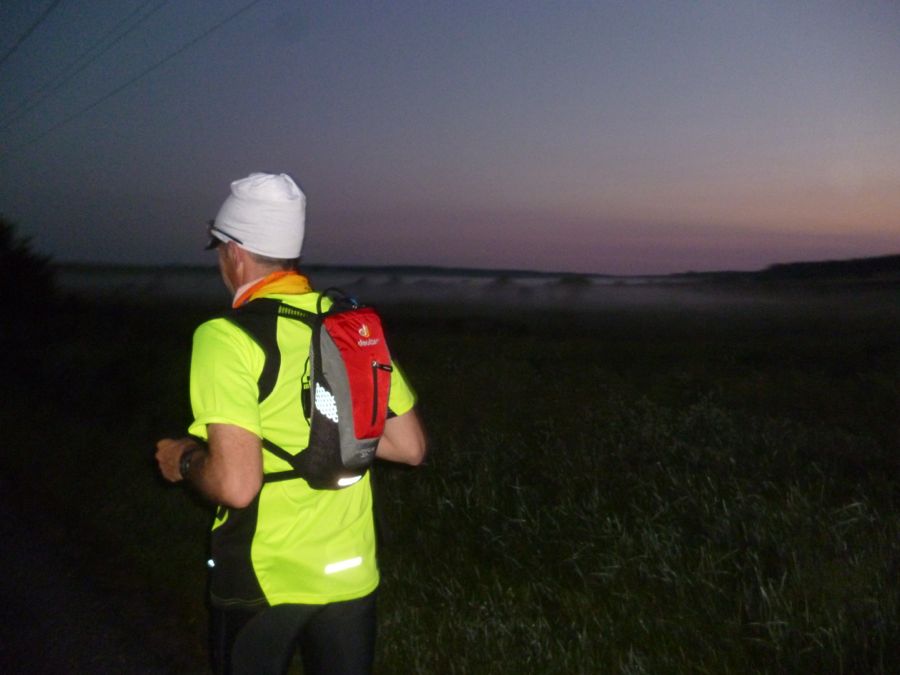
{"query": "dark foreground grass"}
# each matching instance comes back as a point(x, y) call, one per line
point(641, 491)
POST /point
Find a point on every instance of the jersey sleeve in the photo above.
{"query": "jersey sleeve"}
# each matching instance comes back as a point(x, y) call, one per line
point(225, 367)
point(402, 397)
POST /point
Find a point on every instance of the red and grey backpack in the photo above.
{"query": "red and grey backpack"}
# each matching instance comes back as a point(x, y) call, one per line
point(345, 390)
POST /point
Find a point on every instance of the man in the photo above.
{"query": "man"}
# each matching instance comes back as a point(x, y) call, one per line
point(290, 565)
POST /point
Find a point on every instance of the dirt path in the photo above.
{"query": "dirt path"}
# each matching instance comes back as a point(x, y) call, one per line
point(56, 618)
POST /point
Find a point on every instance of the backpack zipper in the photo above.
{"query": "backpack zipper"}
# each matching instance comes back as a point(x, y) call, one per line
point(375, 368)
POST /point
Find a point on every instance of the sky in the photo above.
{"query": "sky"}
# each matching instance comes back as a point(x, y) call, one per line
point(629, 137)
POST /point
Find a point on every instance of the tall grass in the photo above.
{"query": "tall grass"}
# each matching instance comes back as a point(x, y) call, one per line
point(644, 492)
point(667, 542)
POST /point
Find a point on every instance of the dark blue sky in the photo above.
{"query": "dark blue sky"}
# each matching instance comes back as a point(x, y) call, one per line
point(618, 137)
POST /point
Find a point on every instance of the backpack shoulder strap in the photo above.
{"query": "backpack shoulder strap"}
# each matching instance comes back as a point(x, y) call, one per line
point(259, 320)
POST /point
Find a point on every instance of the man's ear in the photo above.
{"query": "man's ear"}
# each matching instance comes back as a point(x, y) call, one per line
point(233, 251)
point(235, 258)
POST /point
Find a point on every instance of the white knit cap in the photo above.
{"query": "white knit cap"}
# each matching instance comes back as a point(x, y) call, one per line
point(264, 214)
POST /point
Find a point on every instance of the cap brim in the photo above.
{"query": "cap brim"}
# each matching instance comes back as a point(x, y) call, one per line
point(212, 243)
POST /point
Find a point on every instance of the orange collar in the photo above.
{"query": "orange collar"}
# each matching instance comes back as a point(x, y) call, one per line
point(282, 281)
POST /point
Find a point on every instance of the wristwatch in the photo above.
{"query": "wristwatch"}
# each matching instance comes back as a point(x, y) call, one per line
point(184, 464)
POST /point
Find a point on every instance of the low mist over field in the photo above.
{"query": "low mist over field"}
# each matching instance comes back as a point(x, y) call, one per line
point(505, 291)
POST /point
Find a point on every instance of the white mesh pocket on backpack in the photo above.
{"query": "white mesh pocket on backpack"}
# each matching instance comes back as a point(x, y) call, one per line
point(326, 404)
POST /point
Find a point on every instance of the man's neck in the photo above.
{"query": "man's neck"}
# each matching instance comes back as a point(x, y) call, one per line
point(277, 280)
point(238, 292)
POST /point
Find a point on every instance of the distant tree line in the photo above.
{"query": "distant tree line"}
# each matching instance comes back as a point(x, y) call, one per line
point(888, 265)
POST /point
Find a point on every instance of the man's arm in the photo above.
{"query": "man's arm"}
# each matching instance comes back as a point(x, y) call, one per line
point(403, 439)
point(228, 470)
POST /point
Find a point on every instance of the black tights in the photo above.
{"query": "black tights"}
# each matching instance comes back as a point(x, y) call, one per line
point(338, 638)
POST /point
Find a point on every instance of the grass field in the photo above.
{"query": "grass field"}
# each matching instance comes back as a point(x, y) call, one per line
point(639, 490)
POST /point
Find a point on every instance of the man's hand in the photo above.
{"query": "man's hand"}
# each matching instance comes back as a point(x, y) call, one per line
point(227, 471)
point(168, 456)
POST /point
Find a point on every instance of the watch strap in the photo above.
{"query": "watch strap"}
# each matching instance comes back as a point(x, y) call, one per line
point(184, 464)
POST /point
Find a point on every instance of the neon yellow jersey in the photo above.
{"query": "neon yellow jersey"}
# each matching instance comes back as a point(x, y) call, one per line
point(293, 544)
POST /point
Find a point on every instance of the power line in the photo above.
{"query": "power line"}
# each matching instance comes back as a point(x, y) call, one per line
point(29, 31)
point(134, 79)
point(82, 62)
